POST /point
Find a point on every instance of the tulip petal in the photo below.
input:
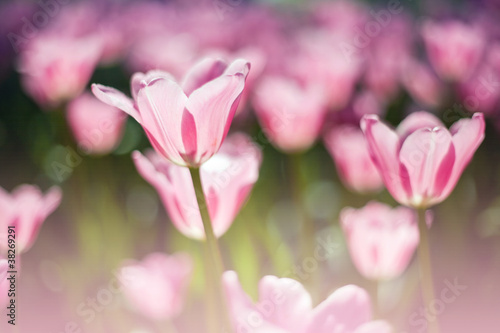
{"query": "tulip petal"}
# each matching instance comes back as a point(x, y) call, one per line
point(140, 80)
point(348, 307)
point(428, 156)
point(213, 106)
point(204, 71)
point(415, 121)
point(467, 136)
point(162, 104)
point(383, 144)
point(116, 98)
point(378, 326)
point(285, 303)
point(175, 188)
point(189, 138)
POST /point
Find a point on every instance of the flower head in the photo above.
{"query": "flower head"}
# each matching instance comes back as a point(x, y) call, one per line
point(187, 122)
point(421, 161)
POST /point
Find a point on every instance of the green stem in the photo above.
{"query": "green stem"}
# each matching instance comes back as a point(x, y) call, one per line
point(307, 231)
point(425, 266)
point(216, 269)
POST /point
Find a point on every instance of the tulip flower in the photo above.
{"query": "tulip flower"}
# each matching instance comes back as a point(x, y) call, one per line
point(284, 306)
point(227, 180)
point(291, 115)
point(481, 92)
point(26, 208)
point(4, 283)
point(56, 69)
point(186, 123)
point(381, 240)
point(421, 161)
point(156, 286)
point(421, 83)
point(454, 48)
point(349, 149)
point(322, 59)
point(154, 52)
point(97, 127)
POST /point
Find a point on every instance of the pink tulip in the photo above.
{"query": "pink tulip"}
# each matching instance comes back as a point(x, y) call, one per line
point(227, 180)
point(321, 60)
point(349, 149)
point(155, 52)
point(481, 92)
point(284, 306)
point(185, 123)
point(381, 240)
point(366, 102)
point(385, 57)
point(156, 286)
point(291, 115)
point(56, 69)
point(421, 83)
point(97, 127)
point(421, 161)
point(25, 209)
point(454, 48)
point(4, 283)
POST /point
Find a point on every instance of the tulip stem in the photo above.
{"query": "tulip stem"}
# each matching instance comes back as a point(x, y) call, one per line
point(307, 231)
point(425, 267)
point(215, 268)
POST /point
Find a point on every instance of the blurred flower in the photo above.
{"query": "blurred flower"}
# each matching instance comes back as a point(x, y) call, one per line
point(481, 92)
point(155, 52)
point(291, 115)
point(227, 180)
point(366, 102)
point(421, 83)
point(97, 127)
point(454, 48)
point(185, 123)
point(285, 306)
point(156, 286)
point(56, 69)
point(386, 55)
point(381, 239)
point(26, 208)
point(4, 283)
point(349, 149)
point(321, 61)
point(421, 161)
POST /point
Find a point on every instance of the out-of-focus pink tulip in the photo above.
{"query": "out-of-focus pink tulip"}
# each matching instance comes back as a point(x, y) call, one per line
point(26, 208)
point(366, 102)
point(454, 48)
point(421, 161)
point(97, 127)
point(290, 115)
point(155, 52)
point(385, 56)
point(227, 180)
point(56, 69)
point(4, 283)
point(348, 147)
point(185, 123)
point(381, 240)
point(481, 92)
point(421, 83)
point(320, 60)
point(284, 306)
point(156, 286)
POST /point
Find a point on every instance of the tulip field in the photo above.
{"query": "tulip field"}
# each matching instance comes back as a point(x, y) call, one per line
point(239, 166)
